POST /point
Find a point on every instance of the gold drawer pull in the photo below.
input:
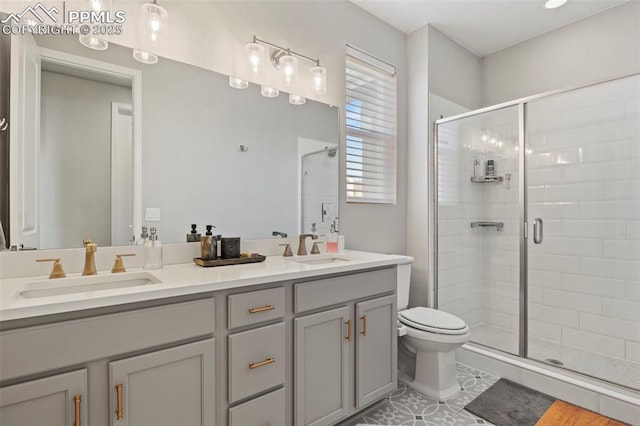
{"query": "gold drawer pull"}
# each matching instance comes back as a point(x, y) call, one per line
point(269, 360)
point(119, 414)
point(348, 338)
point(262, 309)
point(364, 325)
point(76, 403)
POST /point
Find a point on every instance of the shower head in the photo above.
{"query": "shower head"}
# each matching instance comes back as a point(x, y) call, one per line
point(332, 152)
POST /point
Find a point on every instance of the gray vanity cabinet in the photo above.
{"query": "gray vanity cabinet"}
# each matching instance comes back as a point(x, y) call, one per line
point(59, 400)
point(345, 357)
point(376, 349)
point(170, 387)
point(322, 367)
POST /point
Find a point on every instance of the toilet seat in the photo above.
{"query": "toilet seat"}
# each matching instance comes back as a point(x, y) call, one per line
point(433, 321)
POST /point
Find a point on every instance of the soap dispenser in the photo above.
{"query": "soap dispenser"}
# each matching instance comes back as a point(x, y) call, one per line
point(209, 245)
point(332, 239)
point(193, 236)
point(144, 237)
point(153, 251)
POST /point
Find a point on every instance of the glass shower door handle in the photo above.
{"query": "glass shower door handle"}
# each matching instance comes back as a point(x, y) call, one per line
point(537, 231)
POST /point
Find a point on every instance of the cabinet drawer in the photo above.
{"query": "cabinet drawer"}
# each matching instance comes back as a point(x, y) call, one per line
point(269, 409)
point(330, 291)
point(101, 336)
point(256, 360)
point(255, 307)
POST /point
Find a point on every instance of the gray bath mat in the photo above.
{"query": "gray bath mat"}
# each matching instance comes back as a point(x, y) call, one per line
point(509, 404)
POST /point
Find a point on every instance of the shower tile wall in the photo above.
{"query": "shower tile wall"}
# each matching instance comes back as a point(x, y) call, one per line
point(478, 268)
point(584, 279)
point(319, 186)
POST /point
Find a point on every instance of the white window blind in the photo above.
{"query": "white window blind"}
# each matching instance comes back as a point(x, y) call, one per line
point(371, 140)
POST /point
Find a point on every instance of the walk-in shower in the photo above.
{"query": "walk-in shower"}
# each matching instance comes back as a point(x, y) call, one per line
point(537, 227)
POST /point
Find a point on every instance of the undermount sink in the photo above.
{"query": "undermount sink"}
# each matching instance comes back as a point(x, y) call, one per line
point(61, 286)
point(319, 259)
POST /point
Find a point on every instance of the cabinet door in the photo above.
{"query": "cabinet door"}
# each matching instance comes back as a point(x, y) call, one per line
point(322, 367)
point(376, 372)
point(171, 387)
point(52, 401)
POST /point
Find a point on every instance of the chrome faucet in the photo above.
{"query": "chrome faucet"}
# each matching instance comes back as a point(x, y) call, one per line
point(89, 258)
point(302, 246)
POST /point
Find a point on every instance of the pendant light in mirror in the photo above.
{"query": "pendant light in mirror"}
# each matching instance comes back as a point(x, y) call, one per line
point(296, 99)
point(89, 40)
point(269, 92)
point(145, 57)
point(154, 23)
point(238, 83)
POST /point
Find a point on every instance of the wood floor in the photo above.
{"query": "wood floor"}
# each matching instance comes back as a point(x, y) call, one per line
point(564, 414)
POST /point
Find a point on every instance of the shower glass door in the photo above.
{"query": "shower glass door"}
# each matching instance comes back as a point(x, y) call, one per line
point(477, 224)
point(583, 201)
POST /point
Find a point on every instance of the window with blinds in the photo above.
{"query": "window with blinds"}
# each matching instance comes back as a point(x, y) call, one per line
point(371, 141)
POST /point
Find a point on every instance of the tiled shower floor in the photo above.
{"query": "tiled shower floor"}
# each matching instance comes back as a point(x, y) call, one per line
point(405, 406)
point(625, 373)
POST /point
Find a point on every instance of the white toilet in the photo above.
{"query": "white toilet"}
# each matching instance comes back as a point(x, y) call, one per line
point(432, 336)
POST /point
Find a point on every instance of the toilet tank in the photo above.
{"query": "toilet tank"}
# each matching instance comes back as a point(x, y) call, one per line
point(404, 282)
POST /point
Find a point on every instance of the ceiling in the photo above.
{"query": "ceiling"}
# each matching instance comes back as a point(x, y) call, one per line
point(483, 26)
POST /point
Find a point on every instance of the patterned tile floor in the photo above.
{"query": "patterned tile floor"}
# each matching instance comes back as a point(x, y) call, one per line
point(405, 406)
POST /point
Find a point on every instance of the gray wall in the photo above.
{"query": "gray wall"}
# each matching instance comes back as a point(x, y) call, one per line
point(454, 72)
point(599, 47)
point(74, 160)
point(435, 64)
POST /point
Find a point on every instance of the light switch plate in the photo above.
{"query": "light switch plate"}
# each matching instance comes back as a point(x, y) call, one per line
point(152, 214)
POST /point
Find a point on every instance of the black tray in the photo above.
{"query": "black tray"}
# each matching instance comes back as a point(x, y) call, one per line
point(224, 262)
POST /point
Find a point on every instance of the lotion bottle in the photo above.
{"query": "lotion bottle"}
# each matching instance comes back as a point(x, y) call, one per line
point(332, 240)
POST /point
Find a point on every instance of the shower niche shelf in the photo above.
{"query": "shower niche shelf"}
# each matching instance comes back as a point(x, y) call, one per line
point(487, 179)
point(497, 225)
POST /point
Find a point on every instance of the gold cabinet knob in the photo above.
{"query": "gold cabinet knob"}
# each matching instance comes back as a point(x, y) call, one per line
point(57, 271)
point(118, 265)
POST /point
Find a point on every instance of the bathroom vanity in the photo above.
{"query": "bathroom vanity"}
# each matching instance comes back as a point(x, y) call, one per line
point(306, 341)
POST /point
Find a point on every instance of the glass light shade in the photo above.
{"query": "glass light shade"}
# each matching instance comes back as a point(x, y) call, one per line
point(269, 92)
point(93, 42)
point(319, 79)
point(145, 57)
point(99, 5)
point(296, 99)
point(238, 83)
point(289, 67)
point(256, 56)
point(552, 4)
point(154, 21)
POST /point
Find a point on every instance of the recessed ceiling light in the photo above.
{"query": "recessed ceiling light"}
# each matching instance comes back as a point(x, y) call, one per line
point(552, 4)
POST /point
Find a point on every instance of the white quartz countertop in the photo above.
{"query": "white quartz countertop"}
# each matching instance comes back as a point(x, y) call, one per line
point(181, 280)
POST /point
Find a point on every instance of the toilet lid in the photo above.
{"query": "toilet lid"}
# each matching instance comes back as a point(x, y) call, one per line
point(433, 320)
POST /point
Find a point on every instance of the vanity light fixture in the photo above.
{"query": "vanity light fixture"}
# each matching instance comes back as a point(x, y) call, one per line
point(553, 4)
point(145, 57)
point(238, 83)
point(88, 40)
point(286, 60)
point(269, 92)
point(296, 99)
